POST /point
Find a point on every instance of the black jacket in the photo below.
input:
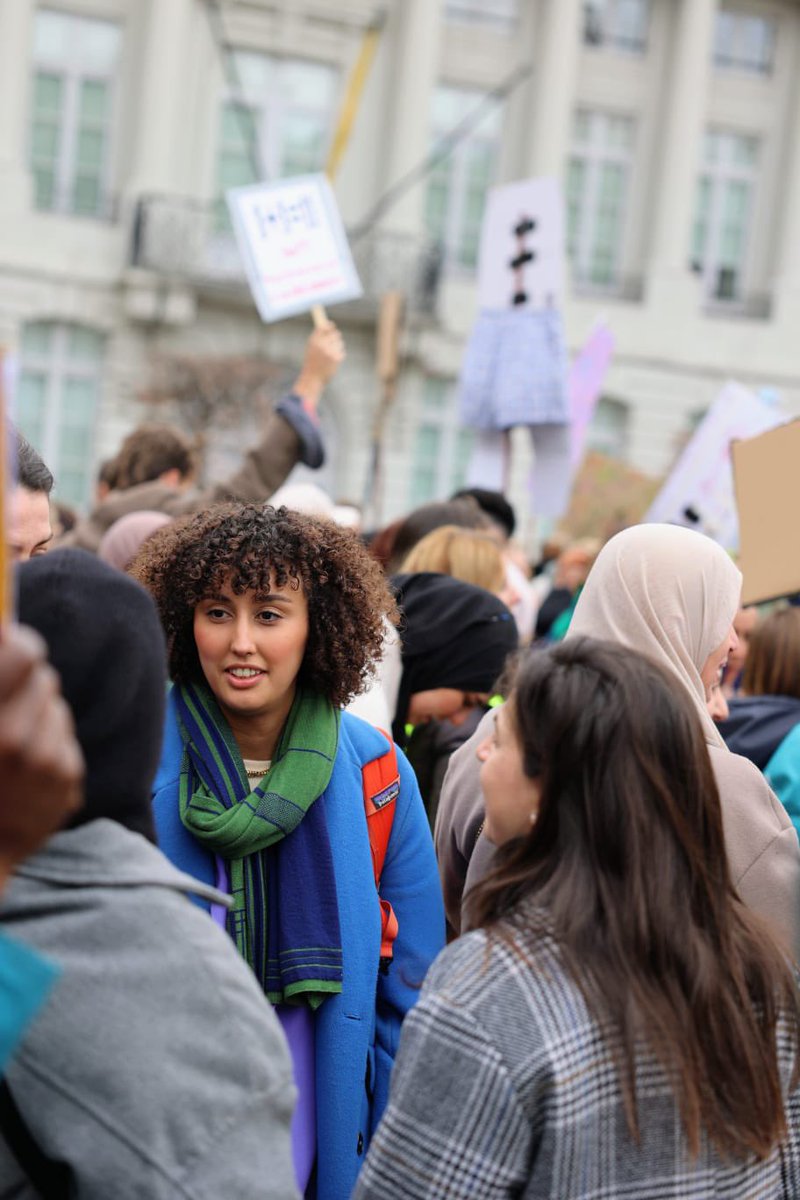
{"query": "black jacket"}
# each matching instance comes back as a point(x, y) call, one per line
point(758, 724)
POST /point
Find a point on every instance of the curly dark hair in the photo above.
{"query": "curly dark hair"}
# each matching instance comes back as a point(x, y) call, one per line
point(253, 547)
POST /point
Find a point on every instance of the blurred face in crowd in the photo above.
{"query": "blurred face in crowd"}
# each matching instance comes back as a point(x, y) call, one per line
point(511, 796)
point(29, 528)
point(744, 623)
point(717, 661)
point(251, 649)
point(443, 704)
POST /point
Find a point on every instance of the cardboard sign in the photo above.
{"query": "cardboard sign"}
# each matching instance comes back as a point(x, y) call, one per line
point(701, 483)
point(293, 245)
point(521, 261)
point(608, 495)
point(767, 483)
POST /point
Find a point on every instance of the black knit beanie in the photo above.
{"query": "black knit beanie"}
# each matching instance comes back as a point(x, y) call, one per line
point(105, 640)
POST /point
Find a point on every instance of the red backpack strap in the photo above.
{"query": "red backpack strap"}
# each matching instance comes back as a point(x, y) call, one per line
point(381, 781)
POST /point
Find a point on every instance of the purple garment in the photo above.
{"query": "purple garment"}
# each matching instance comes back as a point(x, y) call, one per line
point(297, 1022)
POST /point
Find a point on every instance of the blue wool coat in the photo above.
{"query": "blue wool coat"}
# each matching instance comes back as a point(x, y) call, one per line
point(357, 1032)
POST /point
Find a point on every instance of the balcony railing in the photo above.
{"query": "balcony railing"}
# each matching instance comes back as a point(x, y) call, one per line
point(190, 240)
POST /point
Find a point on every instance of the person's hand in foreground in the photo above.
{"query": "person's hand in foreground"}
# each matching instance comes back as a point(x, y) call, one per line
point(41, 765)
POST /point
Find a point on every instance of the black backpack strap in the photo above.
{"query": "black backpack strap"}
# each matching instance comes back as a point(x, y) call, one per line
point(51, 1179)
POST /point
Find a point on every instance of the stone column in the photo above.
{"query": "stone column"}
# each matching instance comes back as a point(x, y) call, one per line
point(166, 42)
point(555, 51)
point(416, 32)
point(786, 284)
point(683, 123)
point(16, 61)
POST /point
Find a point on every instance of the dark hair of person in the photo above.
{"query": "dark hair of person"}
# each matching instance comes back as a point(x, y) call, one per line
point(31, 470)
point(625, 869)
point(250, 547)
point(494, 504)
point(423, 520)
point(150, 450)
point(107, 473)
point(772, 666)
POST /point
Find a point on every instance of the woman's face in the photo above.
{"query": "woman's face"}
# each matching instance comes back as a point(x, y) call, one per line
point(714, 664)
point(511, 796)
point(251, 647)
point(443, 704)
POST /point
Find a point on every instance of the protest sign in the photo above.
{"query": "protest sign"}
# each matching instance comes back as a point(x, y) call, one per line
point(293, 245)
point(767, 484)
point(699, 490)
point(521, 260)
point(584, 384)
point(608, 495)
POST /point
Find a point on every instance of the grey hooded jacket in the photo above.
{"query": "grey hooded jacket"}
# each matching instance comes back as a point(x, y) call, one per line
point(157, 1069)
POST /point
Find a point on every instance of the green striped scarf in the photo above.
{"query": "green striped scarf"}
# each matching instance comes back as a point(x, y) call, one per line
point(285, 919)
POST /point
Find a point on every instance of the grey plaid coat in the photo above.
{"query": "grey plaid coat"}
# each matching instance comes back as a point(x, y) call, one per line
point(504, 1086)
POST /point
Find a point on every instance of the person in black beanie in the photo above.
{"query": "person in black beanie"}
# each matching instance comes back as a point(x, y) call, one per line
point(455, 640)
point(104, 638)
point(108, 1094)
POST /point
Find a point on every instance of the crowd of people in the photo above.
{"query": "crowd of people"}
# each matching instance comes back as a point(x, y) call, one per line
point(384, 863)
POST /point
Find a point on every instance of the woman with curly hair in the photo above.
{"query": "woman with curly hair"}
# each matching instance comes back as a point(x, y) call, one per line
point(273, 621)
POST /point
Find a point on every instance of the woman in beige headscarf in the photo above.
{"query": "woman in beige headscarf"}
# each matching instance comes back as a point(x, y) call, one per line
point(671, 594)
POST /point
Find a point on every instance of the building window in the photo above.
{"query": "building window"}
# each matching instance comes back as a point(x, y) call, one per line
point(441, 448)
point(57, 399)
point(458, 184)
point(722, 212)
point(620, 24)
point(744, 42)
point(75, 65)
point(275, 121)
point(504, 14)
point(597, 182)
point(609, 428)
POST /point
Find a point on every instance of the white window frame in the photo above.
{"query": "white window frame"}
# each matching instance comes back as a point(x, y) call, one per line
point(57, 366)
point(721, 173)
point(67, 67)
point(444, 419)
point(595, 154)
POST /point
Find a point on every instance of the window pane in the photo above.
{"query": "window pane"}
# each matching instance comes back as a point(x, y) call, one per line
point(44, 141)
point(303, 144)
point(90, 149)
point(85, 345)
point(307, 85)
point(37, 338)
point(86, 194)
point(99, 43)
point(51, 35)
point(253, 73)
point(47, 92)
point(30, 406)
point(94, 101)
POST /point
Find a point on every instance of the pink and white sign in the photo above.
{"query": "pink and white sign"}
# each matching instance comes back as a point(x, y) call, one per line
point(584, 384)
point(293, 245)
point(702, 479)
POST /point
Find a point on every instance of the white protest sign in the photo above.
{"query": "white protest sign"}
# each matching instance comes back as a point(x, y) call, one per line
point(702, 480)
point(521, 260)
point(293, 245)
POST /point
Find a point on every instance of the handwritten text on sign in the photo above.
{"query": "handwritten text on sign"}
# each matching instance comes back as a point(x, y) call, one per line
point(293, 245)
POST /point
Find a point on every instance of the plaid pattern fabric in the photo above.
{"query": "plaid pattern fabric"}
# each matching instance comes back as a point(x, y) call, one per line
point(514, 370)
point(505, 1086)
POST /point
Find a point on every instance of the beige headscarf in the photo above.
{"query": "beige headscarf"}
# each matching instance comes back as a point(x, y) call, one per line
point(669, 593)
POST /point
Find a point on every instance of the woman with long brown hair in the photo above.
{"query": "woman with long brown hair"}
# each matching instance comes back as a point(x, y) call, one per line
point(618, 1024)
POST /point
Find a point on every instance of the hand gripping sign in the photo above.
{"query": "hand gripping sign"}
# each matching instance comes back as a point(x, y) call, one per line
point(293, 245)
